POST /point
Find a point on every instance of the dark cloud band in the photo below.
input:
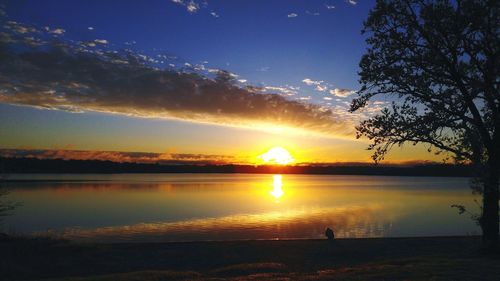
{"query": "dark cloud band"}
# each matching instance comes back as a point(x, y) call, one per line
point(119, 156)
point(54, 74)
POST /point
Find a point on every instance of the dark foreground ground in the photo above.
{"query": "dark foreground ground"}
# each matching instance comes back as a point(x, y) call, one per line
point(452, 258)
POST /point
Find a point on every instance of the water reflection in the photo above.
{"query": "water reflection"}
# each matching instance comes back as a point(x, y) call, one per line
point(277, 191)
point(291, 224)
point(234, 206)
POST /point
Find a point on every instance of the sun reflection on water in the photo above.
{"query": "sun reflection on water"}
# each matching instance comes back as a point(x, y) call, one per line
point(182, 207)
point(277, 191)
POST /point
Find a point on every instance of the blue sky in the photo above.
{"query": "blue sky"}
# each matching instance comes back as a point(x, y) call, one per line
point(254, 39)
point(306, 52)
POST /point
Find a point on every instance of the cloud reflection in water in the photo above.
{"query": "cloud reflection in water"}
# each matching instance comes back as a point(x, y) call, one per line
point(309, 222)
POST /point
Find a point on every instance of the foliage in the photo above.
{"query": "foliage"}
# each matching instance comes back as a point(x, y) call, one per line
point(462, 210)
point(439, 62)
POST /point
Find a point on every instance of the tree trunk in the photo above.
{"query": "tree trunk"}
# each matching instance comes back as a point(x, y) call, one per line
point(490, 217)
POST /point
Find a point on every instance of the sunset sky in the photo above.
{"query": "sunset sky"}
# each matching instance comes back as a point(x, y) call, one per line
point(147, 76)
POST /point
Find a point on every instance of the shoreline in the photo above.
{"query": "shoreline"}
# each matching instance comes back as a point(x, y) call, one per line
point(28, 180)
point(35, 166)
point(312, 240)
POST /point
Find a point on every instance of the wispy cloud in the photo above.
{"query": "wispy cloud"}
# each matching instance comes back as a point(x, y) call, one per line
point(214, 14)
point(70, 76)
point(292, 15)
point(57, 31)
point(191, 6)
point(329, 7)
point(101, 41)
point(285, 90)
point(94, 42)
point(321, 88)
point(311, 82)
point(118, 156)
point(312, 13)
point(342, 92)
point(19, 27)
point(352, 2)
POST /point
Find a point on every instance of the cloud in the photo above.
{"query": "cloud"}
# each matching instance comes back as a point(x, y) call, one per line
point(312, 13)
point(342, 92)
point(101, 41)
point(19, 27)
point(94, 43)
point(319, 84)
point(90, 28)
point(292, 15)
point(288, 91)
point(191, 6)
point(352, 2)
point(311, 82)
point(60, 75)
point(329, 7)
point(118, 156)
point(214, 14)
point(264, 69)
point(321, 88)
point(57, 31)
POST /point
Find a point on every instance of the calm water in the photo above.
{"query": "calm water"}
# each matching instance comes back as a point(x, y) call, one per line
point(185, 207)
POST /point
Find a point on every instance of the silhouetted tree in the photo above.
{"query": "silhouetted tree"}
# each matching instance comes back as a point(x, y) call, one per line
point(439, 62)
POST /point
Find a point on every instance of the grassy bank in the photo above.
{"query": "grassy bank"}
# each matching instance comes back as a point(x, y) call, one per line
point(452, 258)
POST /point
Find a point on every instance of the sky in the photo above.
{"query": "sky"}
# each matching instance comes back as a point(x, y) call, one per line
point(185, 80)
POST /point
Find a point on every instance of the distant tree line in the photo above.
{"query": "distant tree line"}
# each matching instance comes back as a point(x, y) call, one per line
point(33, 165)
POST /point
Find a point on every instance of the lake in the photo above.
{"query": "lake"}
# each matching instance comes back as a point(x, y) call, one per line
point(189, 207)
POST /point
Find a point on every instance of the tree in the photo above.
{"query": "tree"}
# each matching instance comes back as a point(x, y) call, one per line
point(439, 62)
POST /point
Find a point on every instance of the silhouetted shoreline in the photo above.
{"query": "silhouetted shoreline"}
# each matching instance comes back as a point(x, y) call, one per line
point(33, 165)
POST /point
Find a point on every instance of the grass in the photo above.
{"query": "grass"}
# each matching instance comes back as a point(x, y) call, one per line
point(445, 258)
point(410, 269)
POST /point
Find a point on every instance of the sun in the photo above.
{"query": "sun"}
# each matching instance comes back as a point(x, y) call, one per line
point(277, 155)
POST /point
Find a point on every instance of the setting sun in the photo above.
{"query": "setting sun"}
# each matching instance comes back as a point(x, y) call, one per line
point(236, 139)
point(277, 155)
